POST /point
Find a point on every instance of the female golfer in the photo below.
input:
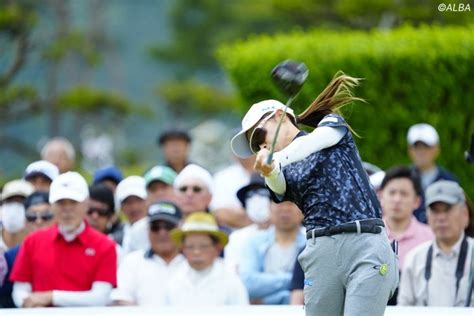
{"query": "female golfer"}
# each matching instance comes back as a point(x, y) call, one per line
point(349, 265)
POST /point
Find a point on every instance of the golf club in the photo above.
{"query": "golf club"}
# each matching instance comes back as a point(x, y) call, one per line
point(289, 76)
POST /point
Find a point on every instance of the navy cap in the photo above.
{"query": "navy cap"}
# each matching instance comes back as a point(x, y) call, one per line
point(108, 173)
point(257, 184)
point(165, 211)
point(36, 198)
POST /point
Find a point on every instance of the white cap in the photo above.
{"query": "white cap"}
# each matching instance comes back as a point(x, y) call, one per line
point(17, 188)
point(239, 143)
point(193, 171)
point(376, 179)
point(424, 133)
point(131, 186)
point(41, 167)
point(69, 185)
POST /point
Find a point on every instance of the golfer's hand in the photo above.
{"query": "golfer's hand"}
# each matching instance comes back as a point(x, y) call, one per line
point(261, 165)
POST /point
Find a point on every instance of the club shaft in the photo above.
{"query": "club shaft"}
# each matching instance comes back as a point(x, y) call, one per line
point(272, 148)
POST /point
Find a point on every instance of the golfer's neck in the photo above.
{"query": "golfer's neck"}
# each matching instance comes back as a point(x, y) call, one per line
point(290, 134)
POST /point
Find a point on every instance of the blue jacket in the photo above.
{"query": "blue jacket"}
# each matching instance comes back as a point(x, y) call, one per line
point(271, 288)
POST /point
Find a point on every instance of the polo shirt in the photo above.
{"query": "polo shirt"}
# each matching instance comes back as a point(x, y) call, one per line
point(441, 288)
point(48, 262)
point(416, 234)
point(143, 276)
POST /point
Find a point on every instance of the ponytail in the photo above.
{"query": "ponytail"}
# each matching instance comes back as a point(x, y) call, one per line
point(336, 95)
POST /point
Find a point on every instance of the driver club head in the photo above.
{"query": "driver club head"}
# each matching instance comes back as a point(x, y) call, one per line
point(290, 76)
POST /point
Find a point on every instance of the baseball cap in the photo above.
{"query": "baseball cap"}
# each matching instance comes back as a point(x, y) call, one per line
point(17, 188)
point(239, 143)
point(424, 133)
point(193, 171)
point(36, 198)
point(108, 172)
point(70, 185)
point(160, 173)
point(199, 222)
point(165, 211)
point(449, 192)
point(102, 193)
point(131, 186)
point(257, 183)
point(41, 168)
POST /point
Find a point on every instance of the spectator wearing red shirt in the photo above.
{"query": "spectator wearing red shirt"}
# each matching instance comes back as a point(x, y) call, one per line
point(68, 264)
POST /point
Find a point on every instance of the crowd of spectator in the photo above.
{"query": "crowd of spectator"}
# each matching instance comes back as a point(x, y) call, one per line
point(177, 235)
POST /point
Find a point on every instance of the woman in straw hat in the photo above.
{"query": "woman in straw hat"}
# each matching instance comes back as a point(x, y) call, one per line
point(206, 280)
point(350, 268)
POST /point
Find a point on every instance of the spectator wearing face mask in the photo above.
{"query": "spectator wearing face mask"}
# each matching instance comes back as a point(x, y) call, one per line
point(255, 199)
point(13, 213)
point(38, 215)
point(268, 259)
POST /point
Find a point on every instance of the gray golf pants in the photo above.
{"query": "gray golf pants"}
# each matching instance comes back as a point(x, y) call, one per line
point(348, 274)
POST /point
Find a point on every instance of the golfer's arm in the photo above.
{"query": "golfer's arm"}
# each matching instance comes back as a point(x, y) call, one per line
point(276, 180)
point(319, 139)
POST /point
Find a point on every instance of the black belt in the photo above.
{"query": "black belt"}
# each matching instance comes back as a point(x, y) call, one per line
point(371, 226)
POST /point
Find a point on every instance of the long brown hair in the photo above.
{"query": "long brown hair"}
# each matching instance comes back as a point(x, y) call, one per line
point(337, 94)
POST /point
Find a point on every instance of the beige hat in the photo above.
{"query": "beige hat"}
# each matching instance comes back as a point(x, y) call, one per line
point(17, 188)
point(199, 222)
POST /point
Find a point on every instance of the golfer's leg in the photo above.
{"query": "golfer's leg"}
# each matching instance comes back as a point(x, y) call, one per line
point(323, 291)
point(372, 276)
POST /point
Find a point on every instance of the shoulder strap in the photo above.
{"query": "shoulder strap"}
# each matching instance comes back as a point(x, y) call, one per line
point(461, 263)
point(429, 259)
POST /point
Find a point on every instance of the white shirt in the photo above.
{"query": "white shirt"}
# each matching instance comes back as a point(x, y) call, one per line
point(135, 237)
point(142, 278)
point(226, 184)
point(213, 286)
point(441, 288)
point(237, 241)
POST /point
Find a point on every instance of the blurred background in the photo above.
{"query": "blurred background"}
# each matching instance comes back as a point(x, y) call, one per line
point(111, 75)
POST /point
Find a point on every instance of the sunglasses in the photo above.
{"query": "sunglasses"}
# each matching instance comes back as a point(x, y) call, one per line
point(33, 217)
point(100, 211)
point(259, 134)
point(156, 227)
point(194, 188)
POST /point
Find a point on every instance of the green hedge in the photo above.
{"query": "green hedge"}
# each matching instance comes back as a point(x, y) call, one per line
point(411, 75)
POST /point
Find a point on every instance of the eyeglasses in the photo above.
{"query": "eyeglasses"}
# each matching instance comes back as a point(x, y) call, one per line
point(156, 227)
point(100, 211)
point(33, 217)
point(259, 134)
point(192, 248)
point(194, 188)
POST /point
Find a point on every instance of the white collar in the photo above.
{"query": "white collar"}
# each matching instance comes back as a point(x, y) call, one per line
point(71, 235)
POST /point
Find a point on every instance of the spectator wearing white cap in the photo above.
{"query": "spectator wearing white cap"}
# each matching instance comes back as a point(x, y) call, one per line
point(60, 152)
point(13, 229)
point(67, 264)
point(143, 275)
point(131, 197)
point(194, 187)
point(205, 280)
point(439, 272)
point(424, 149)
point(40, 174)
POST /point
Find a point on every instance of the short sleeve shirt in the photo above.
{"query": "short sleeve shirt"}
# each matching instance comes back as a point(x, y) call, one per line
point(330, 186)
point(49, 262)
